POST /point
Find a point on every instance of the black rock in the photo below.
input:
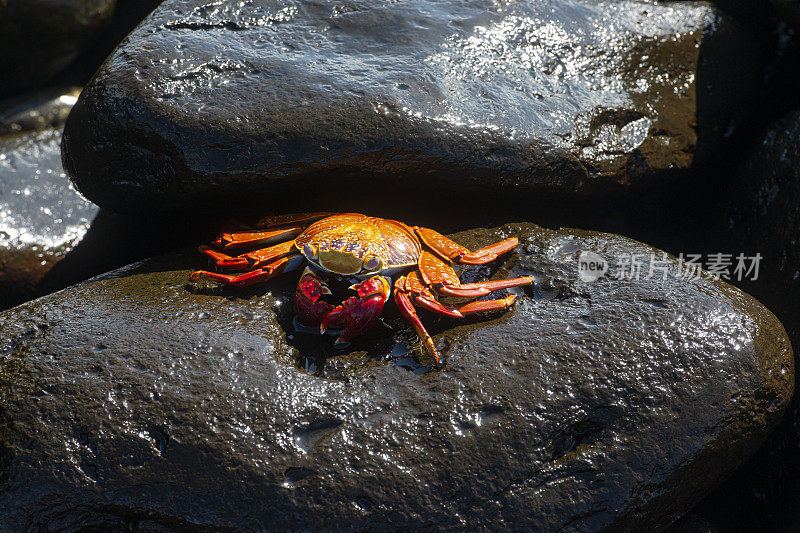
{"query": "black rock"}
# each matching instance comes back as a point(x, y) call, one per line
point(39, 38)
point(51, 236)
point(789, 10)
point(47, 109)
point(615, 404)
point(761, 214)
point(42, 217)
point(209, 103)
point(764, 202)
point(127, 15)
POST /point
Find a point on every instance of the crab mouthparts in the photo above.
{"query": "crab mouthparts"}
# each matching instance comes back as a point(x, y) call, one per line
point(339, 262)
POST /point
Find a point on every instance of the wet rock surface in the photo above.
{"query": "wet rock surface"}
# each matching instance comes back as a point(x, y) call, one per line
point(761, 212)
point(46, 109)
point(129, 400)
point(209, 102)
point(42, 217)
point(127, 15)
point(789, 10)
point(764, 202)
point(39, 38)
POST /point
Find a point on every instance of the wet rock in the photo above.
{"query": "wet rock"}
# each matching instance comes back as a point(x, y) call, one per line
point(764, 202)
point(127, 15)
point(613, 404)
point(206, 103)
point(47, 109)
point(692, 523)
point(761, 213)
point(789, 10)
point(42, 217)
point(39, 38)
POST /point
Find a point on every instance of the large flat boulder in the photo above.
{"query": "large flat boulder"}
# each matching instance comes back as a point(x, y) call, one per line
point(206, 103)
point(618, 403)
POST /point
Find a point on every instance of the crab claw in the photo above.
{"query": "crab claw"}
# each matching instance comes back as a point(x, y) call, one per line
point(307, 304)
point(358, 314)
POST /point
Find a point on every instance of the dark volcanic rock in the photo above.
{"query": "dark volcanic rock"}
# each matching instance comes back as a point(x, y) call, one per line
point(42, 217)
point(762, 215)
point(39, 38)
point(130, 401)
point(765, 201)
point(44, 110)
point(127, 15)
point(790, 10)
point(207, 102)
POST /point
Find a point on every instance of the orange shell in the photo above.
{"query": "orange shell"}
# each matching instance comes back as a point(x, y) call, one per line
point(359, 238)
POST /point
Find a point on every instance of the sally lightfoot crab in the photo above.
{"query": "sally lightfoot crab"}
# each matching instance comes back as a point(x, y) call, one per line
point(368, 251)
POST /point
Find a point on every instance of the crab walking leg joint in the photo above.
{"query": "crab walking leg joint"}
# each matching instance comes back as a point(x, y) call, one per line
point(370, 251)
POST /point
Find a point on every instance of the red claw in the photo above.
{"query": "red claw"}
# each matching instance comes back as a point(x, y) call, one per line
point(358, 314)
point(310, 310)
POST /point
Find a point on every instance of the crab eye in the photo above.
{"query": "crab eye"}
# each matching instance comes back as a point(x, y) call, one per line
point(309, 251)
point(373, 264)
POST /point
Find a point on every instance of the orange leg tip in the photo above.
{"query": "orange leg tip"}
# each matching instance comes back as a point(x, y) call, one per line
point(473, 259)
point(437, 359)
point(223, 240)
point(491, 305)
point(489, 253)
point(226, 261)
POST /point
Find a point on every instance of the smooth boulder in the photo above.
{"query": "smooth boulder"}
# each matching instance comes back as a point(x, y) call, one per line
point(40, 38)
point(763, 202)
point(42, 217)
point(132, 401)
point(761, 214)
point(251, 102)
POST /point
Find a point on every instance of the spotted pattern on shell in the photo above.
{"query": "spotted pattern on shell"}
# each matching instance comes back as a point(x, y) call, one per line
point(364, 237)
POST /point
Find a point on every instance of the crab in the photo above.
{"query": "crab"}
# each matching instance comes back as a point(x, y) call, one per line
point(369, 252)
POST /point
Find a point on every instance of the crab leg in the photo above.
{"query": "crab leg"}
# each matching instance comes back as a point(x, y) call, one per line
point(272, 231)
point(409, 287)
point(489, 253)
point(295, 219)
point(447, 249)
point(411, 284)
point(253, 259)
point(407, 310)
point(264, 273)
point(474, 290)
point(240, 238)
point(436, 272)
point(487, 305)
point(436, 306)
